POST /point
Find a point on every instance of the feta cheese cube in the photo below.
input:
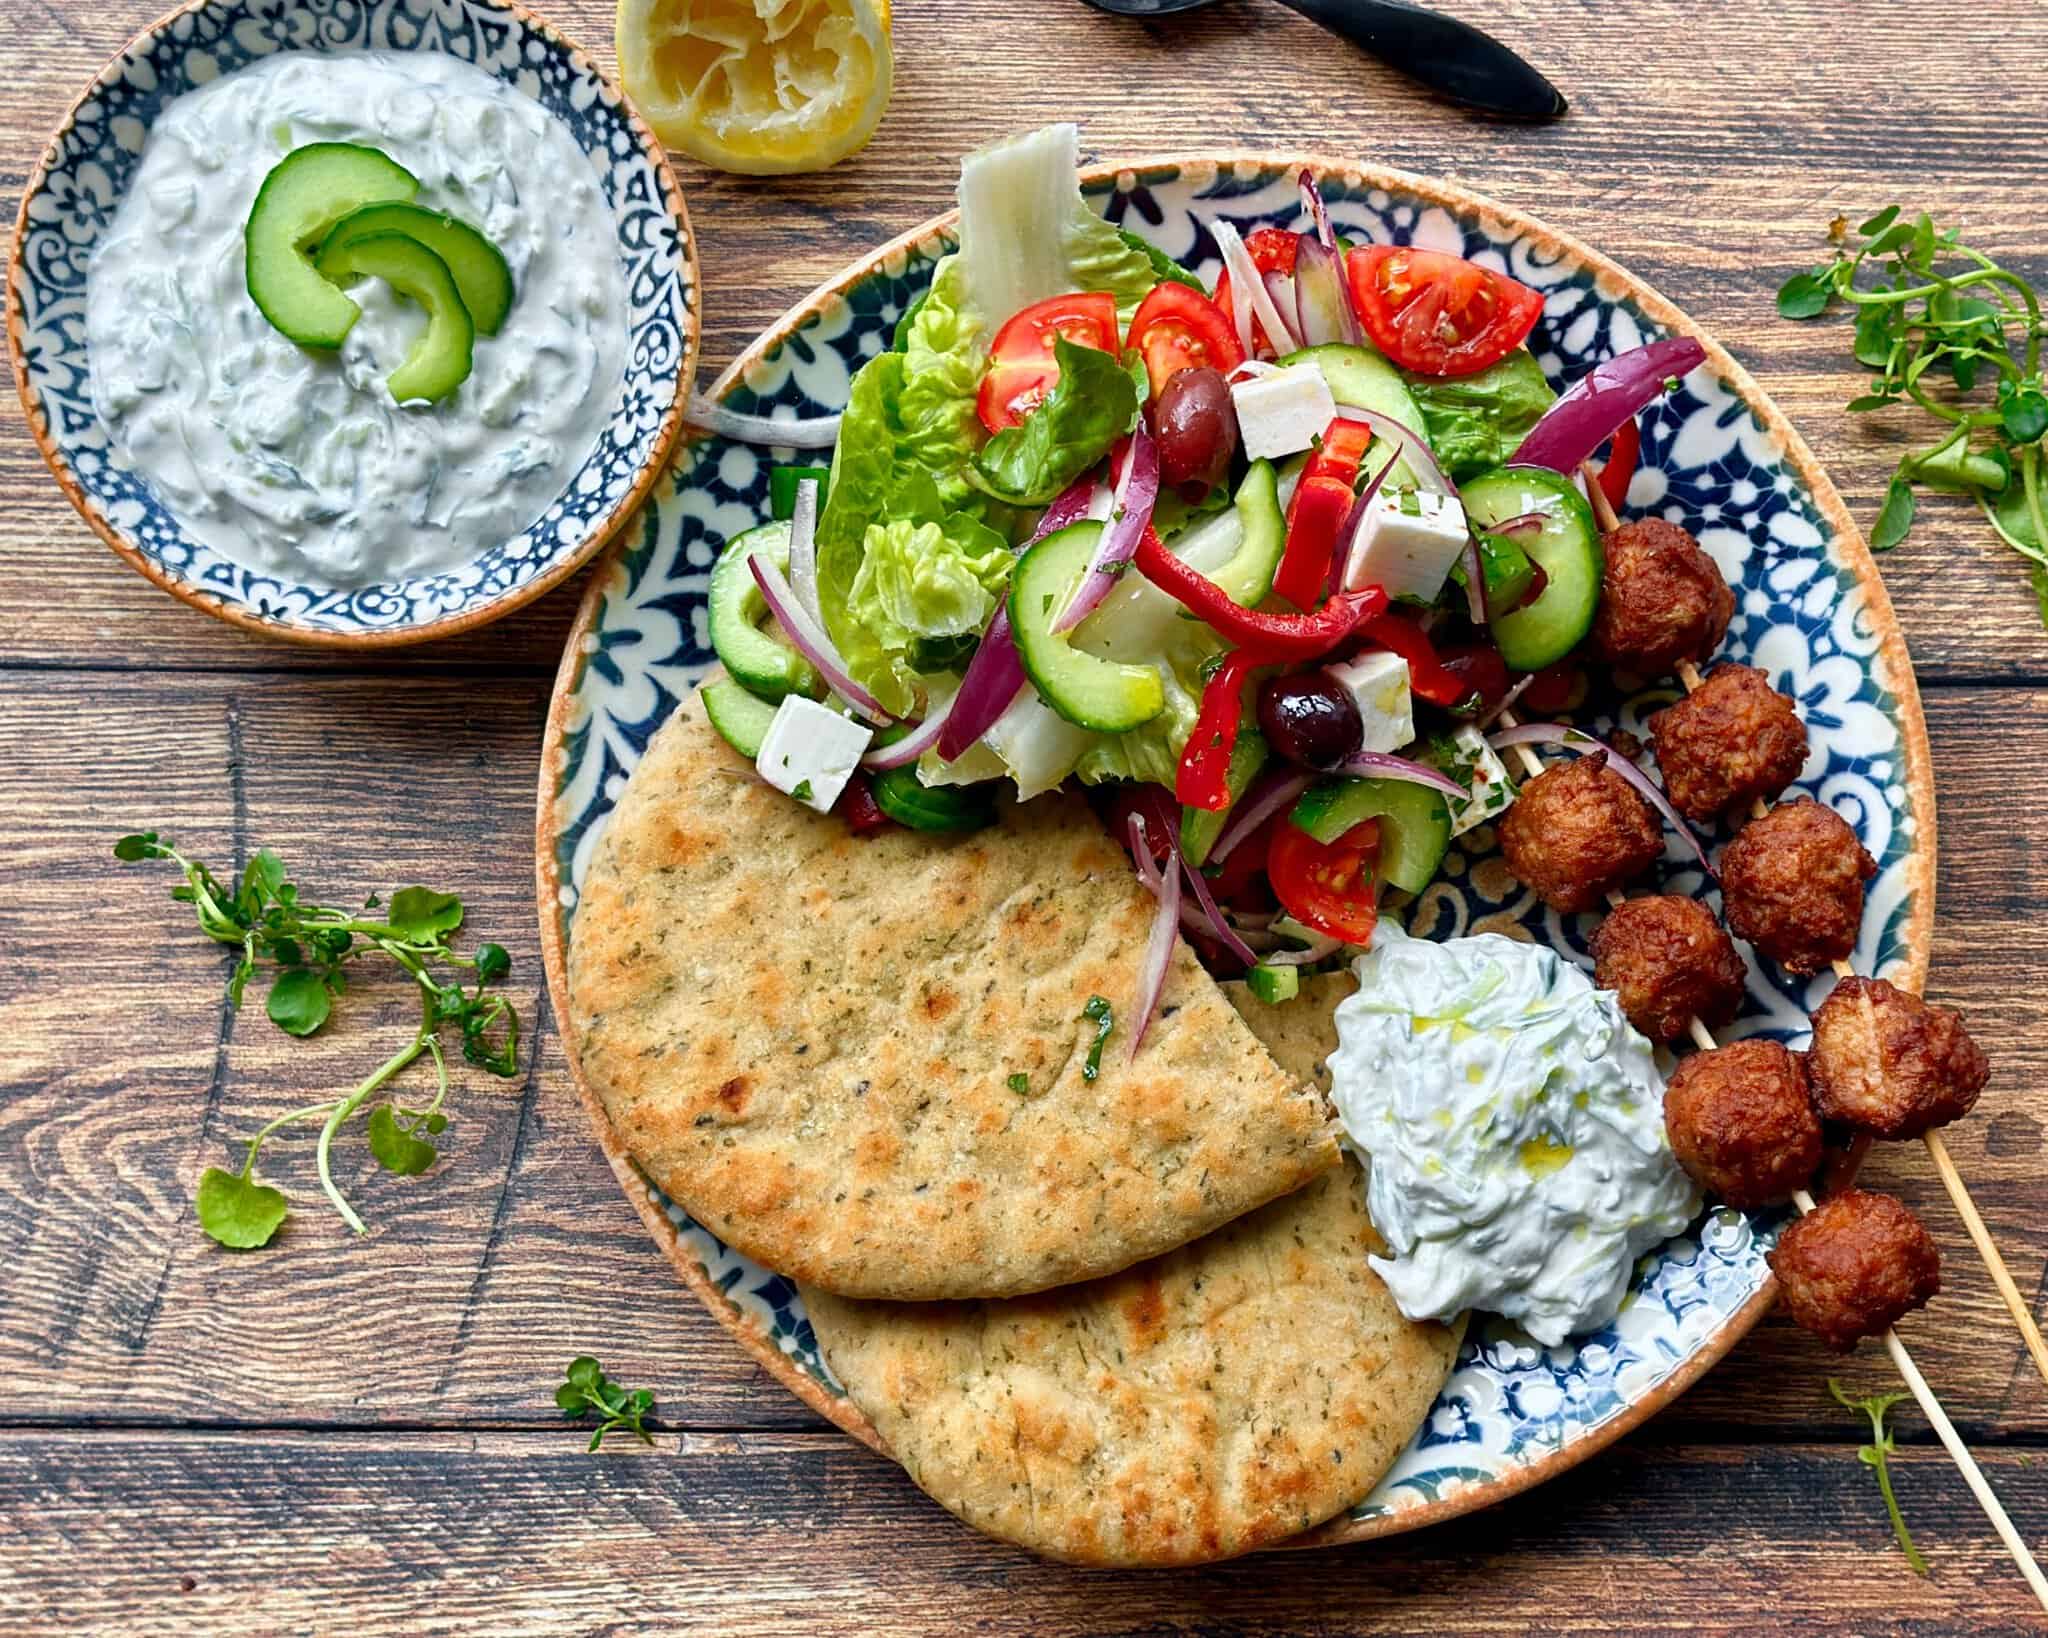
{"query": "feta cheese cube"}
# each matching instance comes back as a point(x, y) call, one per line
point(1471, 762)
point(1283, 413)
point(1407, 543)
point(1378, 686)
point(810, 751)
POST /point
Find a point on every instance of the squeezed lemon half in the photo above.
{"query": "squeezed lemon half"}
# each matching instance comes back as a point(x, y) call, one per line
point(759, 86)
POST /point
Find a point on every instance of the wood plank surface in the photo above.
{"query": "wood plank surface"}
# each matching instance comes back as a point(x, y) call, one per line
point(358, 1436)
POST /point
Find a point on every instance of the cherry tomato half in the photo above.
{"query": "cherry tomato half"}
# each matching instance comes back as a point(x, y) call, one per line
point(1177, 329)
point(1482, 670)
point(1438, 314)
point(1272, 251)
point(1021, 366)
point(1328, 888)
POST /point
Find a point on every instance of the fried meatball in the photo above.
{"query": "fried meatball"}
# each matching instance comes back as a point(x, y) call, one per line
point(1792, 884)
point(1886, 1062)
point(1668, 960)
point(1733, 739)
point(1577, 831)
point(1854, 1266)
point(1662, 600)
point(1741, 1123)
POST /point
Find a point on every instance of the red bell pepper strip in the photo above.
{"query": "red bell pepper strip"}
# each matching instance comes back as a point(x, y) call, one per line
point(1321, 503)
point(1428, 677)
point(1621, 463)
point(1203, 779)
point(1274, 637)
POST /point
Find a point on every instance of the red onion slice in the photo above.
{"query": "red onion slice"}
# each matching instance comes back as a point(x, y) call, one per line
point(1165, 927)
point(803, 550)
point(1130, 515)
point(1246, 285)
point(819, 432)
point(1322, 305)
point(812, 643)
point(1276, 791)
point(1415, 448)
point(1475, 582)
point(912, 745)
point(1312, 197)
point(1595, 405)
point(1527, 523)
point(1323, 947)
point(1378, 765)
point(1219, 924)
point(1506, 703)
point(1579, 743)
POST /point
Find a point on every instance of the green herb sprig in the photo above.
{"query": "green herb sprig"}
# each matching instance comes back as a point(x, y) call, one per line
point(1873, 1456)
point(1947, 329)
point(586, 1389)
point(312, 948)
point(1099, 1013)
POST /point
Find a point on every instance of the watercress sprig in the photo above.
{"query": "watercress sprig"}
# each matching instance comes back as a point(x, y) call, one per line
point(312, 947)
point(1948, 330)
point(587, 1389)
point(1873, 1456)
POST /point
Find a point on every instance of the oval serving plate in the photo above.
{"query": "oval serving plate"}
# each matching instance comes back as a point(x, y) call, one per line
point(71, 199)
point(1717, 458)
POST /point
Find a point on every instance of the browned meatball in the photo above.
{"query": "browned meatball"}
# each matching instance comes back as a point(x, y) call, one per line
point(1886, 1062)
point(1577, 831)
point(1854, 1266)
point(1669, 961)
point(1733, 739)
point(1792, 883)
point(1662, 600)
point(1741, 1123)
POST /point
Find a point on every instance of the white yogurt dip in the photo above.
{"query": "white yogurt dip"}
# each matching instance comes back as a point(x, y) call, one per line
point(1513, 1124)
point(297, 462)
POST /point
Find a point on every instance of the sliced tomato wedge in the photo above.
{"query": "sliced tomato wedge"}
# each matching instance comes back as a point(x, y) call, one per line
point(1331, 889)
point(1176, 328)
point(1022, 369)
point(1272, 251)
point(1438, 314)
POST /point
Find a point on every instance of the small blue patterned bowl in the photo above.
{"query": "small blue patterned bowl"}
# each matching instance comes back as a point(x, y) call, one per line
point(70, 202)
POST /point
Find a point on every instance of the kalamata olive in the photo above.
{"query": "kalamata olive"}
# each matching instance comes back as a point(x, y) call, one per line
point(1310, 719)
point(1196, 426)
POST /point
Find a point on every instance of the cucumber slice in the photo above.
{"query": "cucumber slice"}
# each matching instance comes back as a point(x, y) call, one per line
point(1504, 570)
point(1358, 375)
point(1199, 827)
point(1566, 549)
point(738, 615)
point(905, 798)
point(1104, 696)
point(1262, 536)
point(305, 194)
point(440, 360)
point(1274, 985)
point(478, 266)
point(1415, 825)
point(741, 719)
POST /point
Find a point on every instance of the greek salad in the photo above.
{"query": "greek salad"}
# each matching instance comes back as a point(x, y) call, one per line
point(1258, 562)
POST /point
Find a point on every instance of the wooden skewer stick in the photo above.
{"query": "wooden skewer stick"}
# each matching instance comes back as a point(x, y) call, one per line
point(1930, 1407)
point(1937, 1150)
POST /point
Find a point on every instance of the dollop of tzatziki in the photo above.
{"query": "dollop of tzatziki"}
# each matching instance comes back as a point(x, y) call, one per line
point(1513, 1126)
point(299, 463)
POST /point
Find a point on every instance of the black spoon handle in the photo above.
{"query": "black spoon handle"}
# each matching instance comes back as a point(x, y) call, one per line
point(1452, 58)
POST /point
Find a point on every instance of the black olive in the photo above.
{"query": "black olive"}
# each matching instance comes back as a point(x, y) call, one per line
point(1195, 423)
point(1310, 719)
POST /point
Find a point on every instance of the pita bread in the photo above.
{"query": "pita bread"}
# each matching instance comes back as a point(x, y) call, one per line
point(808, 1039)
point(1215, 1400)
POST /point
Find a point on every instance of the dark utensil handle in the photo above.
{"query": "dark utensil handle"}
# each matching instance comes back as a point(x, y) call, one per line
point(1452, 58)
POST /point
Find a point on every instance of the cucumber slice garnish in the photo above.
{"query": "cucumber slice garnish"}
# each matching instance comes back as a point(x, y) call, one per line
point(1262, 537)
point(738, 615)
point(1199, 827)
point(302, 198)
point(1104, 696)
point(478, 266)
point(901, 795)
point(1415, 825)
point(440, 360)
point(741, 719)
point(1567, 550)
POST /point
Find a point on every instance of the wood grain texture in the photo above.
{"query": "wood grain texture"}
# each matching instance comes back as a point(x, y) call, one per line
point(357, 1436)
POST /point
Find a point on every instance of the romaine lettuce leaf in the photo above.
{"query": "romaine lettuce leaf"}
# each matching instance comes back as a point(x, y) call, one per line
point(1475, 422)
point(1096, 401)
point(943, 357)
point(922, 581)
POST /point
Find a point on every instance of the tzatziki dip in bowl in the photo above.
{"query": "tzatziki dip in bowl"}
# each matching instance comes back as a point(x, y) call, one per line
point(354, 321)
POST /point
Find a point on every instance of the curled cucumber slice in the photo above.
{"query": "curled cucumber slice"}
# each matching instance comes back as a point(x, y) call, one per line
point(477, 265)
point(1105, 696)
point(304, 196)
point(439, 361)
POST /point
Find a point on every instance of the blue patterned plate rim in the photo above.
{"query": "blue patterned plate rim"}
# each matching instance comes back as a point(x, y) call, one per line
point(482, 613)
point(1889, 659)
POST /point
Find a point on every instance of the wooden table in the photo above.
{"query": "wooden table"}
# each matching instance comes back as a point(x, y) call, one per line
point(358, 1436)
